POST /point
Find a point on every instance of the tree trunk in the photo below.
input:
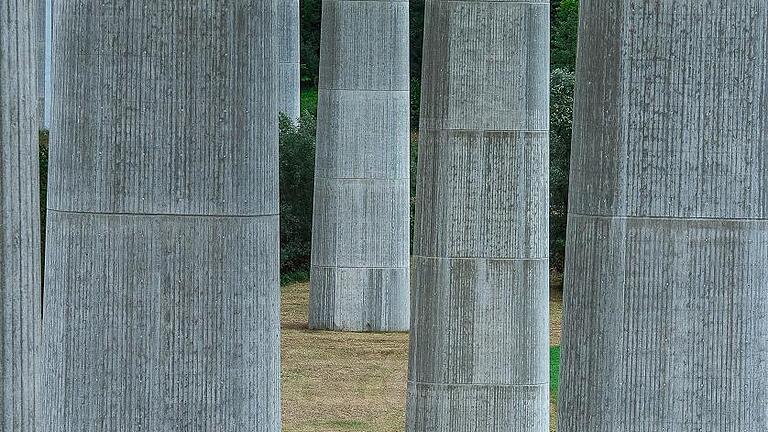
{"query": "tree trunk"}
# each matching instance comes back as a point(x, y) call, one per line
point(162, 277)
point(20, 324)
point(666, 307)
point(479, 333)
point(360, 244)
point(288, 58)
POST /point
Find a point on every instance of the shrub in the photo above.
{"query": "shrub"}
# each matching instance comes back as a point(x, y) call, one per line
point(297, 169)
point(415, 103)
point(561, 115)
point(565, 24)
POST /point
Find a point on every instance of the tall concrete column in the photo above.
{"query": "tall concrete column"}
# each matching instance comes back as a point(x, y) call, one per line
point(161, 306)
point(666, 306)
point(288, 58)
point(47, 70)
point(479, 332)
point(20, 323)
point(360, 230)
point(40, 24)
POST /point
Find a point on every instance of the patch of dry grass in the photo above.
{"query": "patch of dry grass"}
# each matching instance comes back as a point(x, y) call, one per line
point(338, 382)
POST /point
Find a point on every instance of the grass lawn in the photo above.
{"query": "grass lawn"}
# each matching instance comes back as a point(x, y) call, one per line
point(353, 381)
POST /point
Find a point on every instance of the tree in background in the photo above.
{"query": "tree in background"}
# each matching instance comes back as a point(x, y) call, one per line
point(565, 26)
point(297, 167)
point(560, 119)
point(311, 11)
point(563, 31)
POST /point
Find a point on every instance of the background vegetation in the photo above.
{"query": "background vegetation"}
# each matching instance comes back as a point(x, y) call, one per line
point(367, 371)
point(297, 144)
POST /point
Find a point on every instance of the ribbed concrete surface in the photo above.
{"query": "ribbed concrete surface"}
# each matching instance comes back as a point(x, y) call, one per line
point(20, 323)
point(288, 70)
point(479, 332)
point(360, 244)
point(40, 22)
point(666, 307)
point(162, 267)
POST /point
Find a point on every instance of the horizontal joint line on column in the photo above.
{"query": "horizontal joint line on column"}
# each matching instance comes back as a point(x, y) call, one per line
point(403, 179)
point(162, 214)
point(497, 1)
point(482, 258)
point(362, 90)
point(370, 1)
point(672, 218)
point(359, 268)
point(542, 131)
point(477, 384)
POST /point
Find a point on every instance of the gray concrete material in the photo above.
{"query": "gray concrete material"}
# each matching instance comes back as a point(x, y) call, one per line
point(40, 23)
point(479, 352)
point(161, 323)
point(288, 57)
point(476, 408)
point(48, 71)
point(363, 152)
point(20, 323)
point(360, 244)
point(188, 155)
point(162, 268)
point(362, 299)
point(665, 310)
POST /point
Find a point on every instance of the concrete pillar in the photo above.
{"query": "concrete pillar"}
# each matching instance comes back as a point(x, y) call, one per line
point(479, 333)
point(40, 24)
point(47, 72)
point(666, 306)
point(20, 323)
point(288, 58)
point(360, 244)
point(161, 306)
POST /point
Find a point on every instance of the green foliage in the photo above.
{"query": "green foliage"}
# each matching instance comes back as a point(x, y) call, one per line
point(415, 103)
point(561, 116)
point(308, 102)
point(553, 5)
point(311, 11)
point(292, 277)
point(416, 18)
point(310, 14)
point(297, 170)
point(565, 25)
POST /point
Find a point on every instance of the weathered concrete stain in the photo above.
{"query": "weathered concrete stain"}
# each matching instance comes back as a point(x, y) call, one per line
point(666, 307)
point(479, 333)
point(360, 235)
point(162, 297)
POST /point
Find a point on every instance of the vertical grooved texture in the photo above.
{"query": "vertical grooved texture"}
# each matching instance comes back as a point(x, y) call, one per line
point(360, 235)
point(40, 59)
point(162, 298)
point(479, 331)
point(288, 66)
point(666, 307)
point(20, 324)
